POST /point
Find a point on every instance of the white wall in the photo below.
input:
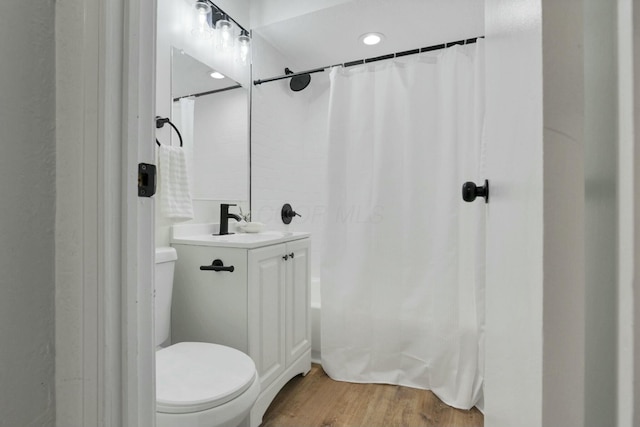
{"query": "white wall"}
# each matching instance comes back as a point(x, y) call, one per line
point(289, 150)
point(69, 259)
point(27, 213)
point(601, 122)
point(174, 29)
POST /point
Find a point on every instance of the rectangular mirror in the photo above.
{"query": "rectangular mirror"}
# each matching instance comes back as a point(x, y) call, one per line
point(212, 113)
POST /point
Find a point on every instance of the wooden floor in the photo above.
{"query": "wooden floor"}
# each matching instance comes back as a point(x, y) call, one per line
point(318, 401)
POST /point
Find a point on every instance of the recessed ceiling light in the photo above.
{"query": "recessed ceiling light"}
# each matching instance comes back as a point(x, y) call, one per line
point(371, 38)
point(217, 75)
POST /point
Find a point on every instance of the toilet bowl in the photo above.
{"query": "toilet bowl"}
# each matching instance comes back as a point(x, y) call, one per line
point(197, 384)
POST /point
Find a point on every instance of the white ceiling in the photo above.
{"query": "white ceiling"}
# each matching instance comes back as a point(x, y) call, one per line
point(330, 36)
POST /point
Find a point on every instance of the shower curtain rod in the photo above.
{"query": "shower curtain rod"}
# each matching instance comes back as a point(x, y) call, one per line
point(368, 60)
point(210, 92)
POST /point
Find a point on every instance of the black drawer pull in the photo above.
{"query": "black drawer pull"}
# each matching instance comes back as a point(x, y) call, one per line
point(217, 265)
point(292, 255)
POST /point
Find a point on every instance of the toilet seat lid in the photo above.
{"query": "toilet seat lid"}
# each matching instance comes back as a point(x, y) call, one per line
point(194, 376)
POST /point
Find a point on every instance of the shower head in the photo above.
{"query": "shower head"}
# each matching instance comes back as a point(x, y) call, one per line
point(299, 82)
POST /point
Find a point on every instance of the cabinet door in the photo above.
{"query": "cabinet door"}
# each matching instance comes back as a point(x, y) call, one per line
point(298, 282)
point(210, 306)
point(266, 311)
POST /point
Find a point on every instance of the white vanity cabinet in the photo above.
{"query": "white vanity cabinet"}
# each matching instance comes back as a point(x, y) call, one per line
point(261, 308)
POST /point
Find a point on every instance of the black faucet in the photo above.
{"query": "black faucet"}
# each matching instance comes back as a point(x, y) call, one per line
point(224, 218)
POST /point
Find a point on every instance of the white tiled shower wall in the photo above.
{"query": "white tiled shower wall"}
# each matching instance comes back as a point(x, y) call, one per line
point(289, 149)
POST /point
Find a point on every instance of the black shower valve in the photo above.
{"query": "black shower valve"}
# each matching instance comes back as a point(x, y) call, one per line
point(287, 213)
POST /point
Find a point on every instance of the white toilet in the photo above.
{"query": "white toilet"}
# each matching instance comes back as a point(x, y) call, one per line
point(197, 384)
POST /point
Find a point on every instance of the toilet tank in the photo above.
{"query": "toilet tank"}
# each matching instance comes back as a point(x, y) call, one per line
point(165, 264)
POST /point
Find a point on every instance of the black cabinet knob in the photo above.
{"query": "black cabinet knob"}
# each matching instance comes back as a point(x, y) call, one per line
point(470, 191)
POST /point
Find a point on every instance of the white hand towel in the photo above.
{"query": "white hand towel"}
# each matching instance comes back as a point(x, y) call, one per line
point(175, 197)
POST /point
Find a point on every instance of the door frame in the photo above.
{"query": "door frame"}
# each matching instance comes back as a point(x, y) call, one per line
point(107, 60)
point(138, 232)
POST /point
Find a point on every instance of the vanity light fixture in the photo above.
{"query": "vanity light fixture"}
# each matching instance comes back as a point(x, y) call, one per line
point(371, 39)
point(216, 75)
point(202, 29)
point(244, 43)
point(229, 38)
point(225, 33)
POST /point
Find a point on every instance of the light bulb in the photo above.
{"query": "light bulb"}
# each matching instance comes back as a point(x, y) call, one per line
point(202, 29)
point(225, 36)
point(243, 44)
point(216, 75)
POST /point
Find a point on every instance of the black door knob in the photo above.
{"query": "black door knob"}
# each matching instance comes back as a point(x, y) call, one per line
point(470, 191)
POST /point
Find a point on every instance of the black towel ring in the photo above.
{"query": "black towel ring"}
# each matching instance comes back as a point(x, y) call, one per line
point(160, 122)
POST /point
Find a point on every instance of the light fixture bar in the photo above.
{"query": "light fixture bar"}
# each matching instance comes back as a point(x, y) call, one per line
point(217, 8)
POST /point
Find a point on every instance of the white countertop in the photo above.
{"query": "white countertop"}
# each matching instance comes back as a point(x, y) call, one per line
point(203, 235)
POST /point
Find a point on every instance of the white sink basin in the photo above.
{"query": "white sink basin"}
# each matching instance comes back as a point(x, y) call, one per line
point(203, 235)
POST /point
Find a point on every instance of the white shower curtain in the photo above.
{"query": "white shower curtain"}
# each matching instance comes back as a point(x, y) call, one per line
point(403, 268)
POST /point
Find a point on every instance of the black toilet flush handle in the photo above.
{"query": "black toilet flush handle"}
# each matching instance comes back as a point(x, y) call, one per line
point(470, 191)
point(287, 213)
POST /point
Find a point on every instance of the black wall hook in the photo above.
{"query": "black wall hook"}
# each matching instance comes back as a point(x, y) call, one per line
point(470, 191)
